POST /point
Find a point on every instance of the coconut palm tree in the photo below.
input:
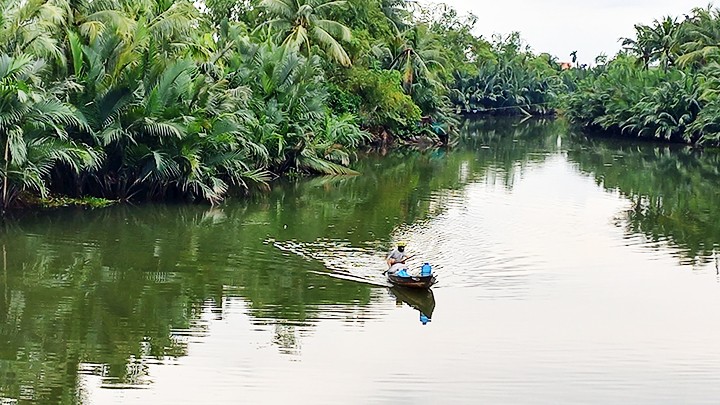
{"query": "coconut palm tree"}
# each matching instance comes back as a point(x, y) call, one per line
point(418, 56)
point(396, 13)
point(699, 38)
point(640, 46)
point(299, 22)
point(665, 37)
point(655, 43)
point(573, 56)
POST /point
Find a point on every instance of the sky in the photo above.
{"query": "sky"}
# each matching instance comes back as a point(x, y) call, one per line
point(559, 27)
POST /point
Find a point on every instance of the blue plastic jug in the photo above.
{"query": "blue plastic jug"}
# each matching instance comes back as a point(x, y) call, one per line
point(426, 270)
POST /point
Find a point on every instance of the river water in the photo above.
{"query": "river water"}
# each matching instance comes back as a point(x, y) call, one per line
point(570, 271)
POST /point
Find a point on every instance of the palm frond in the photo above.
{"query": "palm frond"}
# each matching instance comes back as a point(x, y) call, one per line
point(161, 129)
point(284, 8)
point(335, 50)
point(309, 161)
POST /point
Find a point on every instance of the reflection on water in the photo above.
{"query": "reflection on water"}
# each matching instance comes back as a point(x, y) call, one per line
point(420, 299)
point(672, 190)
point(560, 264)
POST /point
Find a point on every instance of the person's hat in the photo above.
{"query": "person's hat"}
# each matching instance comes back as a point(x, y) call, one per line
point(402, 243)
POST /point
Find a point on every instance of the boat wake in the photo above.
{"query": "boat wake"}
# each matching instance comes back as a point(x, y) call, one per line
point(343, 260)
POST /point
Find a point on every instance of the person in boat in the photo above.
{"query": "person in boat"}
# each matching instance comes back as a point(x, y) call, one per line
point(397, 258)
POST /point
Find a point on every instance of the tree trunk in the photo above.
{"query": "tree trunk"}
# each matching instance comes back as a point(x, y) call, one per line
point(5, 180)
point(5, 274)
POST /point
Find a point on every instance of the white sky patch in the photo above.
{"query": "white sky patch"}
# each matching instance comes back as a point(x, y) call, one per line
point(559, 27)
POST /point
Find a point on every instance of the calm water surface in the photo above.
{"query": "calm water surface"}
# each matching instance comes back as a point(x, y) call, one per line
point(571, 271)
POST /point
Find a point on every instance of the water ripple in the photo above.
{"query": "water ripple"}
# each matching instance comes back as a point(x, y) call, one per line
point(362, 264)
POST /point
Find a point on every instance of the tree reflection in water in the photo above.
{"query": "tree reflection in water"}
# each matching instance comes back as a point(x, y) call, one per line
point(672, 190)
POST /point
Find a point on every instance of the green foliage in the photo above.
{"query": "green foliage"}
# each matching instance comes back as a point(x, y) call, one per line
point(341, 100)
point(298, 22)
point(646, 103)
point(384, 104)
point(370, 23)
point(60, 201)
point(34, 126)
point(155, 99)
point(226, 11)
point(664, 86)
point(510, 80)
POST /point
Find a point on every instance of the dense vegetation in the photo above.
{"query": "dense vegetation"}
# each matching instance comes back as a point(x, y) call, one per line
point(509, 79)
point(664, 85)
point(121, 98)
point(160, 99)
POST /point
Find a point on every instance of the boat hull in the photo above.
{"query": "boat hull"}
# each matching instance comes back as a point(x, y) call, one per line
point(412, 282)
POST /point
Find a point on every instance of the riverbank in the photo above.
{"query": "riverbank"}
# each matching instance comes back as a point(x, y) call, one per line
point(426, 140)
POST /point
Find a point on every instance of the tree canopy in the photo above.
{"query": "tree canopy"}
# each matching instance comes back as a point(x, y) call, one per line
point(158, 99)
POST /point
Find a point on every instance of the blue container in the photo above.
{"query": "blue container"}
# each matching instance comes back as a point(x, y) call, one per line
point(402, 273)
point(426, 270)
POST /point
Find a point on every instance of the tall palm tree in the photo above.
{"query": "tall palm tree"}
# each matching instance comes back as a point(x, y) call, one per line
point(640, 46)
point(418, 56)
point(301, 21)
point(396, 14)
point(699, 38)
point(655, 43)
point(665, 36)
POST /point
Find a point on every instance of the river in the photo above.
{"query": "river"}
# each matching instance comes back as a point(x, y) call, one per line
point(570, 271)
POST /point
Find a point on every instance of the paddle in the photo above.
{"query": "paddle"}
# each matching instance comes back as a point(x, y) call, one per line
point(401, 261)
point(406, 259)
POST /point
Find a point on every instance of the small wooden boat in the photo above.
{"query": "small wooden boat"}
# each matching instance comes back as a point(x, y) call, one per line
point(412, 281)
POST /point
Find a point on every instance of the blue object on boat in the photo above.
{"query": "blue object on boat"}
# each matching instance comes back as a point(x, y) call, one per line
point(426, 270)
point(424, 319)
point(402, 273)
